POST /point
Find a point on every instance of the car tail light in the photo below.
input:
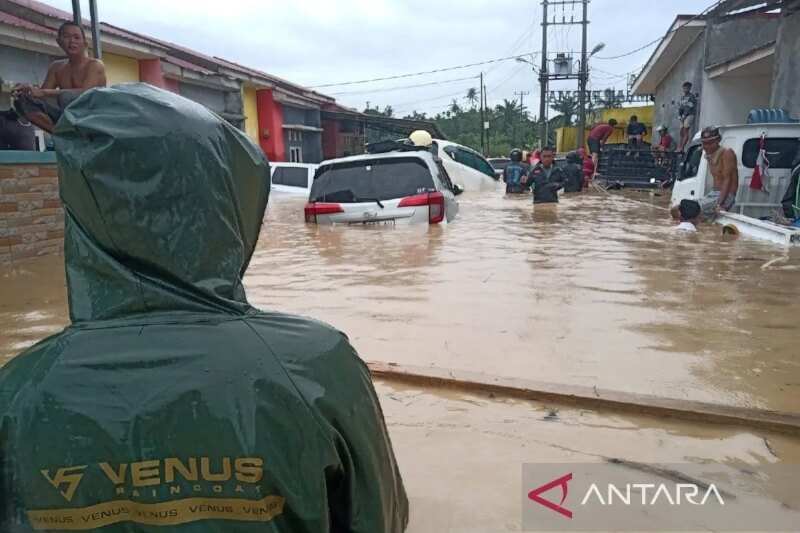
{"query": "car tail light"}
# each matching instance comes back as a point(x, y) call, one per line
point(321, 208)
point(434, 201)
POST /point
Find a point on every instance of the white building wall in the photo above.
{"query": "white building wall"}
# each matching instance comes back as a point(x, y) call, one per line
point(728, 99)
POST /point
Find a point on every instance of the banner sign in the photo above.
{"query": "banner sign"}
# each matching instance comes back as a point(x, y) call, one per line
point(594, 96)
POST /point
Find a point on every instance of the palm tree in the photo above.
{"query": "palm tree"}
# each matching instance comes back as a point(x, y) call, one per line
point(610, 100)
point(508, 111)
point(454, 107)
point(566, 107)
point(472, 96)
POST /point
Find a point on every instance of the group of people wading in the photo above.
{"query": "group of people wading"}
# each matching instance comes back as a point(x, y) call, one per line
point(544, 178)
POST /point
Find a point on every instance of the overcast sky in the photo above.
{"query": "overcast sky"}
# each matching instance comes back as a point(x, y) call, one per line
point(317, 42)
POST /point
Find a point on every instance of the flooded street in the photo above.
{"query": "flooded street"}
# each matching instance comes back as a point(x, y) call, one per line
point(597, 291)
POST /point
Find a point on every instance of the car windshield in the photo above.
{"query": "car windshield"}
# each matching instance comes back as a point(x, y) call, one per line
point(371, 180)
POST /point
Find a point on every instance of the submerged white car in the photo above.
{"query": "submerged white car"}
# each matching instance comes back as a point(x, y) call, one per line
point(291, 179)
point(466, 167)
point(384, 189)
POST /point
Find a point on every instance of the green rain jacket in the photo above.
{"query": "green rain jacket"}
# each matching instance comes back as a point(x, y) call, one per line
point(170, 404)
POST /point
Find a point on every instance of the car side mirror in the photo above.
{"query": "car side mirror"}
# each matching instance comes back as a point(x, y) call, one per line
point(457, 190)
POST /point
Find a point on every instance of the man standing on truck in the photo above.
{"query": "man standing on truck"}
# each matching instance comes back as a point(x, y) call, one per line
point(687, 110)
point(724, 167)
point(598, 136)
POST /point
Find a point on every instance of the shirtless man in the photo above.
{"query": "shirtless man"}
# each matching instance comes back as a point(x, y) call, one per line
point(725, 170)
point(65, 80)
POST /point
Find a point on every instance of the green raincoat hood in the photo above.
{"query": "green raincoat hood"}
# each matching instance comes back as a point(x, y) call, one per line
point(173, 405)
point(187, 228)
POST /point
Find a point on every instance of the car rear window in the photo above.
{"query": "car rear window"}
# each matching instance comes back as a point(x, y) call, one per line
point(374, 179)
point(291, 176)
point(780, 152)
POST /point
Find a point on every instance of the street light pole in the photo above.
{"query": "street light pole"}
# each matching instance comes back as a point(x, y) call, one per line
point(582, 80)
point(543, 81)
point(98, 48)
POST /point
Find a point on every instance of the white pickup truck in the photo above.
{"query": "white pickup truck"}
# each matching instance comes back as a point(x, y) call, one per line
point(753, 206)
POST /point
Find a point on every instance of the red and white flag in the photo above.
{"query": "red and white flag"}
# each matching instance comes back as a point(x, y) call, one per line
point(760, 179)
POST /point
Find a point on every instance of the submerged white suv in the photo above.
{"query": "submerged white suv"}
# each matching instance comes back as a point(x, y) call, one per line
point(387, 189)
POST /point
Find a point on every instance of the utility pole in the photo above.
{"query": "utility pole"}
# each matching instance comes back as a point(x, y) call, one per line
point(583, 79)
point(522, 95)
point(582, 76)
point(486, 118)
point(543, 77)
point(483, 131)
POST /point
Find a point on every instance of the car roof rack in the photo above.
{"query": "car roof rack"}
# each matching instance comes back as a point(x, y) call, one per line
point(401, 145)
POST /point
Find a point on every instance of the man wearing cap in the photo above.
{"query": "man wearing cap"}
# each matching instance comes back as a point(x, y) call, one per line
point(687, 110)
point(665, 143)
point(724, 168)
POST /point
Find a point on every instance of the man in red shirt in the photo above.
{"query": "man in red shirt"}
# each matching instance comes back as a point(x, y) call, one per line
point(665, 144)
point(597, 138)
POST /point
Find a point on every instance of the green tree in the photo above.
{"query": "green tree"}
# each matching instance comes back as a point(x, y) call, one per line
point(454, 107)
point(387, 111)
point(472, 96)
point(567, 108)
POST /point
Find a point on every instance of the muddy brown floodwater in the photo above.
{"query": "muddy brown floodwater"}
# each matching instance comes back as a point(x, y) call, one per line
point(599, 290)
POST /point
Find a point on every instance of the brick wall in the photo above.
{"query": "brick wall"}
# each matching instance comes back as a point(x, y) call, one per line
point(31, 216)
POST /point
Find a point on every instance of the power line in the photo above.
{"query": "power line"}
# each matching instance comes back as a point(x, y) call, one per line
point(399, 87)
point(651, 43)
point(423, 73)
point(410, 105)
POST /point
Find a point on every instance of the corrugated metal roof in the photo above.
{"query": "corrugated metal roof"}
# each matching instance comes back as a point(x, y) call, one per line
point(187, 64)
point(11, 20)
point(53, 12)
point(211, 62)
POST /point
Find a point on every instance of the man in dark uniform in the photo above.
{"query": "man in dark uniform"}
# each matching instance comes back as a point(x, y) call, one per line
point(545, 179)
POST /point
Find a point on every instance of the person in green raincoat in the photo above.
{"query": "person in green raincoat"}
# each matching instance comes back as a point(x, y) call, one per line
point(170, 403)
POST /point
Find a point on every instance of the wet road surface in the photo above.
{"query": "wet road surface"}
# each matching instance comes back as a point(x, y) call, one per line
point(461, 456)
point(599, 290)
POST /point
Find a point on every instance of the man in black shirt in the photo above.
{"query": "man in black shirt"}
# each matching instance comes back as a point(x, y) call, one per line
point(636, 132)
point(545, 178)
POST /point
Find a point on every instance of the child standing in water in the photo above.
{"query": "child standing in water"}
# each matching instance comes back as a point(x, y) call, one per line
point(690, 212)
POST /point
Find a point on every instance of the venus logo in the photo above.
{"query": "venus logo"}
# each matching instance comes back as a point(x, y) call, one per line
point(535, 495)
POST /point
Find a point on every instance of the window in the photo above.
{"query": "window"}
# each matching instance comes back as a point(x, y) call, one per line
point(295, 154)
point(443, 175)
point(375, 179)
point(692, 162)
point(780, 152)
point(476, 161)
point(295, 136)
point(484, 166)
point(499, 164)
point(290, 176)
